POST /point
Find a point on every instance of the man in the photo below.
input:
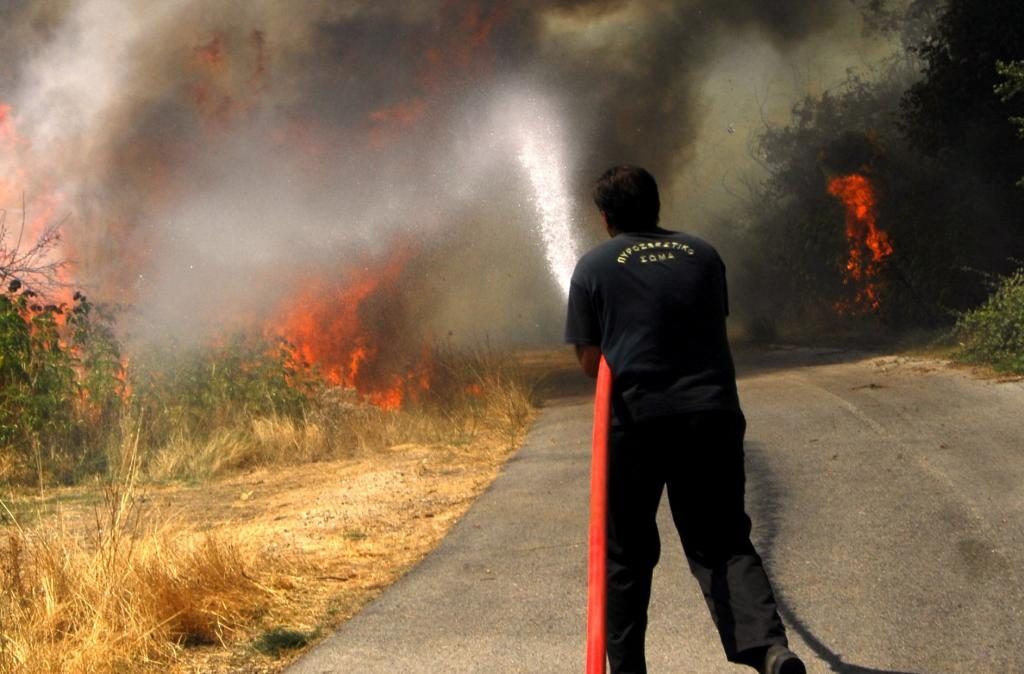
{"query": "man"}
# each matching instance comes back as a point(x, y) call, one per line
point(654, 302)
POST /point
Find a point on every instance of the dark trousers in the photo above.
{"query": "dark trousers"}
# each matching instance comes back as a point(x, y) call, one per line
point(699, 459)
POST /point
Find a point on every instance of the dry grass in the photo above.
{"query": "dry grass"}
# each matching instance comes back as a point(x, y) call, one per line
point(475, 393)
point(108, 588)
point(117, 597)
point(68, 607)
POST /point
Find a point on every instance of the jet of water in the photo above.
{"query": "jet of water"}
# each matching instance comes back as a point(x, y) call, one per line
point(540, 149)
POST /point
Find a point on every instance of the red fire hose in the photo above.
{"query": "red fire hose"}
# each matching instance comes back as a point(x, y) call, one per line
point(596, 581)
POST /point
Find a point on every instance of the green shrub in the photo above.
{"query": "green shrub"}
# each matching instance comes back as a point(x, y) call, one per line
point(68, 396)
point(61, 385)
point(993, 333)
point(192, 392)
point(277, 641)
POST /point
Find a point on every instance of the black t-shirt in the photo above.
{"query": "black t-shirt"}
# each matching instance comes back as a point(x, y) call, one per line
point(656, 302)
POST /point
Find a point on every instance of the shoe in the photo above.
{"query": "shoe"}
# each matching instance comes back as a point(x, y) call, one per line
point(780, 660)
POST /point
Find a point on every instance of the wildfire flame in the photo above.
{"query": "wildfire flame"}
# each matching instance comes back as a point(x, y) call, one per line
point(460, 56)
point(8, 137)
point(226, 77)
point(869, 246)
point(28, 215)
point(230, 79)
point(342, 330)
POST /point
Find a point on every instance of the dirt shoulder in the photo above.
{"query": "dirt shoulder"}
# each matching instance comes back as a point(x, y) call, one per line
point(337, 534)
point(334, 534)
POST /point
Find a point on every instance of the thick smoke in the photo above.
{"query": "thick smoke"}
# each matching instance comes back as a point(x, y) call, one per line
point(210, 158)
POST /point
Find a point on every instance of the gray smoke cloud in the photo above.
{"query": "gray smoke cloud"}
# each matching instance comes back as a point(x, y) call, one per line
point(211, 157)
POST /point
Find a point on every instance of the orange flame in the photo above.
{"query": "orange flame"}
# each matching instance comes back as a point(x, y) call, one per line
point(466, 33)
point(8, 136)
point(869, 246)
point(462, 55)
point(125, 388)
point(387, 121)
point(223, 93)
point(212, 54)
point(31, 204)
point(9, 141)
point(333, 327)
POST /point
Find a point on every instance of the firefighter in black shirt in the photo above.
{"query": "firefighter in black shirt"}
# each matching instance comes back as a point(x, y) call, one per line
point(654, 302)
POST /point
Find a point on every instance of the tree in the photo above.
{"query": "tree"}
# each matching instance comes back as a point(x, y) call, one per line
point(62, 382)
point(32, 264)
point(936, 134)
point(954, 112)
point(797, 227)
point(965, 114)
point(1011, 87)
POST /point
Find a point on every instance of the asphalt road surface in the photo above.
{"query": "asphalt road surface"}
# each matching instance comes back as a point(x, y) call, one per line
point(888, 502)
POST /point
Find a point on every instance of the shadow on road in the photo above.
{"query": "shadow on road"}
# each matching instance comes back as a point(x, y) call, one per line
point(757, 360)
point(765, 513)
point(557, 374)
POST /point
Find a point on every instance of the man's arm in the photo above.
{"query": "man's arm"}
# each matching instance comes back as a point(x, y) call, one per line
point(582, 327)
point(589, 358)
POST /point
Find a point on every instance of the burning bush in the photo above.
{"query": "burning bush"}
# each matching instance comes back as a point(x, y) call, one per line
point(335, 369)
point(353, 331)
point(868, 245)
point(243, 400)
point(248, 401)
point(61, 385)
point(935, 129)
point(853, 225)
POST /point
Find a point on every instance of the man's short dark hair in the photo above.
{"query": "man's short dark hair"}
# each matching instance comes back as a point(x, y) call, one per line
point(628, 197)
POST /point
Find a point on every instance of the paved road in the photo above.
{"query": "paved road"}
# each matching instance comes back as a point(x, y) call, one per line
point(888, 501)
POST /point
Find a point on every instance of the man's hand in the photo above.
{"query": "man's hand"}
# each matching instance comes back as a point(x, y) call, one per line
point(589, 358)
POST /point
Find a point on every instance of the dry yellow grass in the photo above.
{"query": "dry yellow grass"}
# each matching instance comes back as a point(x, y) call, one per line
point(123, 588)
point(474, 393)
point(69, 607)
point(118, 597)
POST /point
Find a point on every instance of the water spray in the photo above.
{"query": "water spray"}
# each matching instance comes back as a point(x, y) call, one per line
point(541, 152)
